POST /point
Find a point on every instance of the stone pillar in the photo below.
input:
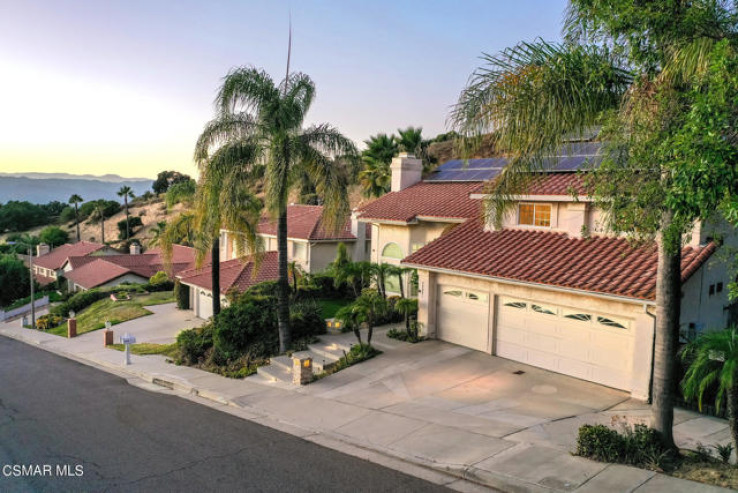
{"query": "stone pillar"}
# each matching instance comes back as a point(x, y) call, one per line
point(72, 328)
point(302, 369)
point(108, 337)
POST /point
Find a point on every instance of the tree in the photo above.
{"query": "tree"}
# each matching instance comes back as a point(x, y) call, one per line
point(376, 176)
point(367, 309)
point(126, 192)
point(75, 200)
point(99, 215)
point(53, 236)
point(380, 272)
point(166, 179)
point(640, 71)
point(182, 191)
point(254, 112)
point(399, 272)
point(14, 278)
point(156, 232)
point(125, 227)
point(19, 216)
point(713, 363)
point(408, 307)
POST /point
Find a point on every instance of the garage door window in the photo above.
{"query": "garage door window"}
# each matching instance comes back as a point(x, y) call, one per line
point(581, 317)
point(477, 297)
point(543, 310)
point(456, 293)
point(516, 304)
point(612, 323)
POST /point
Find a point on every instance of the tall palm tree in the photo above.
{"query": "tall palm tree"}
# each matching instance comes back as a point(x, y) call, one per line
point(410, 140)
point(713, 363)
point(535, 95)
point(157, 231)
point(126, 192)
point(375, 177)
point(100, 216)
point(382, 147)
point(380, 272)
point(399, 272)
point(253, 111)
point(76, 199)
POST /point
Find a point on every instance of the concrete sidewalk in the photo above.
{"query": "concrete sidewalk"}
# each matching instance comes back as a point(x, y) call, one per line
point(422, 426)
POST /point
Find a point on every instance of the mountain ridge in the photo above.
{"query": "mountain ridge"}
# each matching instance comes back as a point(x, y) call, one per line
point(109, 177)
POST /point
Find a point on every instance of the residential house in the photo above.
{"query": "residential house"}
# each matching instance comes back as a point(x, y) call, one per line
point(235, 275)
point(48, 265)
point(309, 242)
point(550, 288)
point(87, 272)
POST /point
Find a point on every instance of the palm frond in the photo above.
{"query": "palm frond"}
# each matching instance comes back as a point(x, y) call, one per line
point(225, 128)
point(331, 183)
point(247, 88)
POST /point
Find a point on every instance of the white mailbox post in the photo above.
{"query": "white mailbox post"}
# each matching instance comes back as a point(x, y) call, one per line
point(128, 339)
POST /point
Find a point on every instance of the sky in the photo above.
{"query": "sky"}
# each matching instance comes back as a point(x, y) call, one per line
point(125, 87)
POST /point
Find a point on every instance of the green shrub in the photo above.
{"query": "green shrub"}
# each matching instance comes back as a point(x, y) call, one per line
point(266, 288)
point(79, 301)
point(639, 446)
point(133, 222)
point(192, 344)
point(248, 326)
point(306, 319)
point(182, 295)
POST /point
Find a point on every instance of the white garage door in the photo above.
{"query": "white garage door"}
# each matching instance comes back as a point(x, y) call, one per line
point(584, 344)
point(463, 317)
point(204, 305)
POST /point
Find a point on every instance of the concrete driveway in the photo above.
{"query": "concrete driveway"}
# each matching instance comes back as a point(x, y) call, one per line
point(161, 327)
point(449, 385)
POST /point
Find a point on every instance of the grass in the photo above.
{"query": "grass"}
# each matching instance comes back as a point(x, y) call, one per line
point(146, 348)
point(94, 316)
point(329, 307)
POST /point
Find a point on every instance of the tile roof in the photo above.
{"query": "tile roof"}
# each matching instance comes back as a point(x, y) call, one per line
point(43, 280)
point(90, 272)
point(96, 273)
point(425, 199)
point(56, 258)
point(598, 264)
point(234, 274)
point(559, 183)
point(304, 222)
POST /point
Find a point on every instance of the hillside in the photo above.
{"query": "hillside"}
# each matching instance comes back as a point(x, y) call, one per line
point(43, 190)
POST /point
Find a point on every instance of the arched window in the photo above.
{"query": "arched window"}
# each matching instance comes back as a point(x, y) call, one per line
point(392, 250)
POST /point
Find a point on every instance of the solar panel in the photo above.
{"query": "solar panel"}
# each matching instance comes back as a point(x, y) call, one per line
point(570, 157)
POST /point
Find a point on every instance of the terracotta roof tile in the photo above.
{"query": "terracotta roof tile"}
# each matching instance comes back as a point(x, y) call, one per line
point(425, 199)
point(96, 273)
point(56, 258)
point(304, 222)
point(598, 264)
point(234, 274)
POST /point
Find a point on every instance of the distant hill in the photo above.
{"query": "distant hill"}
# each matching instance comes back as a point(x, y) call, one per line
point(40, 188)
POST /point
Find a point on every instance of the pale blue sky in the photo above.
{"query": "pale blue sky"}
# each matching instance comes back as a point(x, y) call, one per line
point(126, 86)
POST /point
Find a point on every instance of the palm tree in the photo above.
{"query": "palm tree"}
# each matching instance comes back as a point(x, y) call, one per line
point(407, 306)
point(410, 140)
point(368, 308)
point(76, 199)
point(381, 147)
point(535, 95)
point(396, 270)
point(100, 216)
point(255, 112)
point(713, 362)
point(380, 272)
point(157, 231)
point(126, 192)
point(375, 178)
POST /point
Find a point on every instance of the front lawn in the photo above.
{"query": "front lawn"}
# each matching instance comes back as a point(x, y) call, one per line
point(329, 307)
point(147, 348)
point(94, 316)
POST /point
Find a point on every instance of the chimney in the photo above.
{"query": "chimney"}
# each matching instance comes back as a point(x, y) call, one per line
point(135, 249)
point(407, 170)
point(358, 229)
point(42, 249)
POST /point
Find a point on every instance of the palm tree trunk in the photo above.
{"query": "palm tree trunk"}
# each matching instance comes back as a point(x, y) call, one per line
point(76, 220)
point(128, 229)
point(102, 226)
point(215, 274)
point(668, 294)
point(402, 288)
point(283, 307)
point(733, 415)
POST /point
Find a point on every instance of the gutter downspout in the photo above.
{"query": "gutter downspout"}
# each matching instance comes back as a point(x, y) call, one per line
point(653, 350)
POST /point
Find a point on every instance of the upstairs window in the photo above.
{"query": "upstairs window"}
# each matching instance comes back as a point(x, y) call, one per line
point(392, 251)
point(535, 215)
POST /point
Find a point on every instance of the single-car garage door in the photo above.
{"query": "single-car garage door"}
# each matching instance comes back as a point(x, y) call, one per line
point(204, 304)
point(581, 343)
point(463, 317)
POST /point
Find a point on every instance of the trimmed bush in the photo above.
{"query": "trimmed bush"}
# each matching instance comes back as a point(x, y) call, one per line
point(192, 344)
point(182, 295)
point(248, 326)
point(638, 445)
point(306, 320)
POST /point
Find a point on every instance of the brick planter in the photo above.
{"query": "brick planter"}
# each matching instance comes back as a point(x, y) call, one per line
point(108, 337)
point(72, 328)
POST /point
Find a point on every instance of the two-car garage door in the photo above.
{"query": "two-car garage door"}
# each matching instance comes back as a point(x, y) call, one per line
point(592, 346)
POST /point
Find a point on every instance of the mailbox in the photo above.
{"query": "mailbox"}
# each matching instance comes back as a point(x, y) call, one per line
point(128, 339)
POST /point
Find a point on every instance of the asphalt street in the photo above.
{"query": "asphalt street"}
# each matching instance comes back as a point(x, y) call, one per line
point(65, 426)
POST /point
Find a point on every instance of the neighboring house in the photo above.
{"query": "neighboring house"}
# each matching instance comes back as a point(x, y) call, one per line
point(235, 275)
point(549, 288)
point(83, 273)
point(309, 243)
point(49, 264)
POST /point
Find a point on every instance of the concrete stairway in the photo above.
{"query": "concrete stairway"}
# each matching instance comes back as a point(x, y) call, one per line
point(324, 355)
